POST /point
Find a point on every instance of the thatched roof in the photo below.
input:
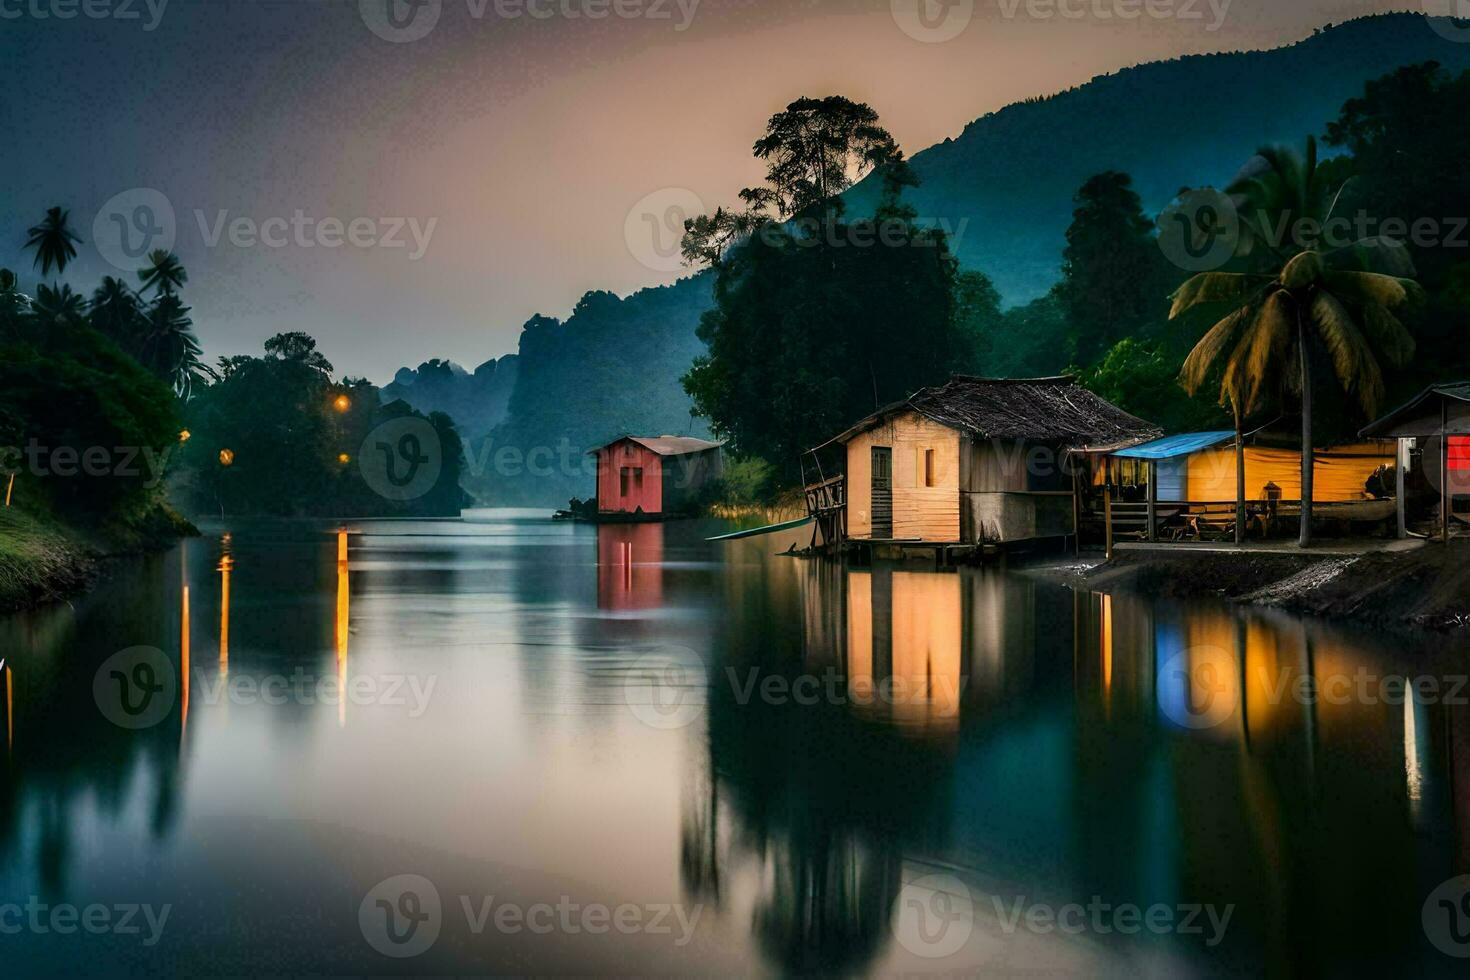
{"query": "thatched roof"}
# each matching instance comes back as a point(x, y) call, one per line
point(1050, 410)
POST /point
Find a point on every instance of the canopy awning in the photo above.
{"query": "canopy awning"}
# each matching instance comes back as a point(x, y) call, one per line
point(1181, 445)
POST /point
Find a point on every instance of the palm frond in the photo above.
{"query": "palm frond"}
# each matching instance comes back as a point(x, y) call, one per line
point(1215, 287)
point(1372, 288)
point(1353, 362)
point(1387, 335)
point(1264, 346)
point(1202, 359)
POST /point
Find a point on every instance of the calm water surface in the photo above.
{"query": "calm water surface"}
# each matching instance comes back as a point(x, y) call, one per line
point(696, 757)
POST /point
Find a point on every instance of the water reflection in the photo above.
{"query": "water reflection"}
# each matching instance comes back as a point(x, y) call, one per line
point(1027, 739)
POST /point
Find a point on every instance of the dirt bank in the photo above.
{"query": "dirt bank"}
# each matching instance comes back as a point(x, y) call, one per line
point(1425, 588)
point(44, 560)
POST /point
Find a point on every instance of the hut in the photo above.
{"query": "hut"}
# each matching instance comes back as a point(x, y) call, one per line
point(650, 478)
point(1187, 481)
point(975, 461)
point(1434, 428)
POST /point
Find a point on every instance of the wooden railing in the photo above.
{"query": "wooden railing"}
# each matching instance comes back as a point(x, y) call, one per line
point(1205, 520)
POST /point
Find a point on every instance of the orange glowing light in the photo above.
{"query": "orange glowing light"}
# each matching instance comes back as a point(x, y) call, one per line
point(227, 457)
point(343, 629)
point(184, 435)
point(343, 458)
point(342, 403)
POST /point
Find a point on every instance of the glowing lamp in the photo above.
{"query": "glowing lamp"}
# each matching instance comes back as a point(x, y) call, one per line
point(226, 457)
point(342, 403)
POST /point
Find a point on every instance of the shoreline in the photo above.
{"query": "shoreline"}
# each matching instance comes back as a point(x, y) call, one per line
point(44, 560)
point(1423, 589)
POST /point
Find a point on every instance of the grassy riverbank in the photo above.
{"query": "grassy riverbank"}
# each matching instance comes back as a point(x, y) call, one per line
point(43, 559)
point(1423, 588)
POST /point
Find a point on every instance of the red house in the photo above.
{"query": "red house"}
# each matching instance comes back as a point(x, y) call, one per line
point(643, 477)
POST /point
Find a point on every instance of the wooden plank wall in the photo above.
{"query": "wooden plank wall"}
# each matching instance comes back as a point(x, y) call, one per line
point(919, 512)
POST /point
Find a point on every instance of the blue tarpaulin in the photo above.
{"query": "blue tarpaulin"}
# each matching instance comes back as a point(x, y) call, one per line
point(1180, 445)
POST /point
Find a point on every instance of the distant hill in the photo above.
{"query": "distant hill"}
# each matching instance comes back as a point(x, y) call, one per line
point(611, 369)
point(1188, 122)
point(477, 402)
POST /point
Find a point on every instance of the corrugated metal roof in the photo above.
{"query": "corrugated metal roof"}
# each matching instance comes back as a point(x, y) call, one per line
point(1400, 419)
point(667, 445)
point(1180, 445)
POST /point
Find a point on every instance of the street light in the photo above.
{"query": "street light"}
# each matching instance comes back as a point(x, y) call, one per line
point(342, 403)
point(226, 457)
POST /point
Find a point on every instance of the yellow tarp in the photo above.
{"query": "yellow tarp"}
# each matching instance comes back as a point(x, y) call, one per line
point(1340, 473)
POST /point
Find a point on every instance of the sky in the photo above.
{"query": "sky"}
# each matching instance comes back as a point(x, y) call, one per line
point(407, 179)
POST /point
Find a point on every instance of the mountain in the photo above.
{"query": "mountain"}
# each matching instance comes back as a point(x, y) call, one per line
point(477, 402)
point(611, 369)
point(1005, 185)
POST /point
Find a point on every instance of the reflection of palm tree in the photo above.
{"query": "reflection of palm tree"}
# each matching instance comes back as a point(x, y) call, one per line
point(53, 241)
point(164, 273)
point(1277, 318)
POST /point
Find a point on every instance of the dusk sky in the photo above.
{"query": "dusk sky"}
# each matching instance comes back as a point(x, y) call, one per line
point(512, 152)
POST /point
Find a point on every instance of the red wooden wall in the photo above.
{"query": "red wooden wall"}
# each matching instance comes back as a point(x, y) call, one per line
point(646, 493)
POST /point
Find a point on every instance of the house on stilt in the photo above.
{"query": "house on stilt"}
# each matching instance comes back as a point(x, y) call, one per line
point(976, 461)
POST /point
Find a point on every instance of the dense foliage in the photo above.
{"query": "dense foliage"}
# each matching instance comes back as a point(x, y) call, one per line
point(276, 436)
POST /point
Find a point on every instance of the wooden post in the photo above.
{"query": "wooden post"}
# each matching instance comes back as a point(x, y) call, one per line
point(1153, 497)
point(1400, 467)
point(1108, 505)
point(1444, 469)
point(1076, 510)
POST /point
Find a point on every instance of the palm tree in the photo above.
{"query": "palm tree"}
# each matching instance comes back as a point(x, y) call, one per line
point(164, 273)
point(116, 311)
point(1308, 298)
point(53, 241)
point(58, 306)
point(169, 348)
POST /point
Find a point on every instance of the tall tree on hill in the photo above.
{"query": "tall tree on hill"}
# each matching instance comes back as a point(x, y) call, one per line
point(53, 241)
point(1111, 267)
point(815, 327)
point(1305, 304)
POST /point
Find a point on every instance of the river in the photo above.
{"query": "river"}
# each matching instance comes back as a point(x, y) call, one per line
point(569, 749)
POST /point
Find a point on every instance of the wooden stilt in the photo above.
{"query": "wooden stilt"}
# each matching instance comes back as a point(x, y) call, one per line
point(1153, 498)
point(1399, 478)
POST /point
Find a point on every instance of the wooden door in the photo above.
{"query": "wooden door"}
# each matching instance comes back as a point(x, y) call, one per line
point(882, 499)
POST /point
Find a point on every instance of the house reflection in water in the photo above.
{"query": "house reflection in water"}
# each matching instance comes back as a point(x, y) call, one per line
point(630, 566)
point(914, 646)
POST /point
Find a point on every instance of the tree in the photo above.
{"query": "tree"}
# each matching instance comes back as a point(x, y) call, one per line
point(116, 311)
point(978, 319)
point(1111, 283)
point(298, 346)
point(164, 273)
point(1277, 321)
point(169, 348)
point(53, 241)
point(814, 150)
point(58, 306)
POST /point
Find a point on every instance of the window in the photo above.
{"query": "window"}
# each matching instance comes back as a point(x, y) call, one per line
point(929, 479)
point(625, 479)
point(630, 479)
